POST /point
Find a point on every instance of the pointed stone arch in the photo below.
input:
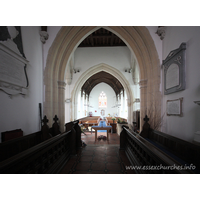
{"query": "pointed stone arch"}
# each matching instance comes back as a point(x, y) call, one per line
point(140, 43)
point(90, 72)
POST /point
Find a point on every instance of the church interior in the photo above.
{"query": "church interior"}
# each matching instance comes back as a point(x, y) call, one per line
point(99, 100)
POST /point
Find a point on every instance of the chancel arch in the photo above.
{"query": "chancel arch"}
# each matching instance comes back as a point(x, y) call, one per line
point(114, 74)
point(140, 43)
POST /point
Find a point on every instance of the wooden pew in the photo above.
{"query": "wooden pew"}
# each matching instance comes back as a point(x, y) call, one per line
point(9, 135)
point(109, 119)
point(114, 125)
point(75, 137)
point(145, 157)
point(185, 152)
point(190, 152)
point(17, 145)
point(94, 118)
point(89, 121)
point(48, 156)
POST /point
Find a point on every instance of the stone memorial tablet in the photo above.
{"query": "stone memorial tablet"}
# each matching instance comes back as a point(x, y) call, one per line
point(174, 107)
point(174, 70)
point(172, 76)
point(13, 77)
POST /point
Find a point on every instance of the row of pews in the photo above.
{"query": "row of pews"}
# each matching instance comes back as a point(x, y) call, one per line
point(43, 152)
point(94, 121)
point(115, 127)
point(48, 150)
point(109, 119)
point(89, 121)
point(156, 152)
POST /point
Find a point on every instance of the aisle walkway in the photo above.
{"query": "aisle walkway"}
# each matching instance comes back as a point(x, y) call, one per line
point(105, 159)
point(102, 157)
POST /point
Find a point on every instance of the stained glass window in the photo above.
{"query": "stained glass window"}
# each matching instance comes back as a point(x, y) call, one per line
point(102, 100)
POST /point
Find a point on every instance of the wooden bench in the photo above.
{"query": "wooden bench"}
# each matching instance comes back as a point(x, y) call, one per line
point(115, 124)
point(183, 151)
point(89, 121)
point(9, 135)
point(110, 122)
point(147, 158)
point(75, 137)
point(47, 157)
point(14, 146)
point(109, 119)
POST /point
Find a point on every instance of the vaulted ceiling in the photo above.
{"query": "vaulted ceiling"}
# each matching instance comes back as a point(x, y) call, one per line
point(102, 38)
point(99, 78)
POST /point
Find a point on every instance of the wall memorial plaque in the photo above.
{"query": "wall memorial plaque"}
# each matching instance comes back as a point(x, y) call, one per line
point(13, 77)
point(174, 70)
point(174, 107)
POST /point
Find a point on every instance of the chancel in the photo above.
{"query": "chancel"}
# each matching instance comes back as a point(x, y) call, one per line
point(97, 99)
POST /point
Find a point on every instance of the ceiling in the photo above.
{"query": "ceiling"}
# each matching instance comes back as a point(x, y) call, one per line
point(99, 78)
point(102, 38)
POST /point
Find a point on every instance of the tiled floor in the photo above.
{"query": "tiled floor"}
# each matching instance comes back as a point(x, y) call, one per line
point(102, 157)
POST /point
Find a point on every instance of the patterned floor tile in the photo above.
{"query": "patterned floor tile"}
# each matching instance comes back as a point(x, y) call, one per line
point(101, 157)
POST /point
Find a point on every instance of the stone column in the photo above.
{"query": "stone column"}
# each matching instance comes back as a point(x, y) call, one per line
point(143, 101)
point(81, 105)
point(130, 111)
point(84, 106)
point(61, 104)
point(87, 103)
point(124, 104)
point(120, 110)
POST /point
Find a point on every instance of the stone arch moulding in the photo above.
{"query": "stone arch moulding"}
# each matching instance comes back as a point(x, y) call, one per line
point(90, 72)
point(140, 43)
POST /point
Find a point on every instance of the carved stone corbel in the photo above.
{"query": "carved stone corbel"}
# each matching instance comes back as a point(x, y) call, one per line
point(44, 36)
point(161, 32)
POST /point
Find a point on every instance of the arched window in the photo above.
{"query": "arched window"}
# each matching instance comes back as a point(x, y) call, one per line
point(102, 100)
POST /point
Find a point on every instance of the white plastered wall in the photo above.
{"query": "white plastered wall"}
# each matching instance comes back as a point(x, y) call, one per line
point(184, 127)
point(23, 112)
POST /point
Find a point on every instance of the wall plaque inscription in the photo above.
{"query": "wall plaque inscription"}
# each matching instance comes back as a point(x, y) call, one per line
point(174, 70)
point(13, 77)
point(174, 107)
point(172, 76)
